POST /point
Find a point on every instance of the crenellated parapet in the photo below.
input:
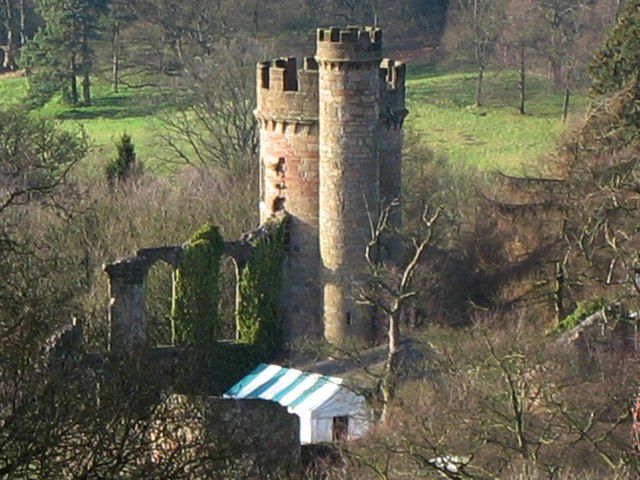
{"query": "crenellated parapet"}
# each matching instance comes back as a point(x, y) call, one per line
point(287, 95)
point(347, 47)
point(392, 93)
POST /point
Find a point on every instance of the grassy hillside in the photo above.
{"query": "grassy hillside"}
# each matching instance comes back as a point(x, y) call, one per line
point(110, 115)
point(495, 136)
point(131, 110)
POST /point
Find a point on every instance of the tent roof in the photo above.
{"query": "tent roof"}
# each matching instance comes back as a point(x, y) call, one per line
point(298, 391)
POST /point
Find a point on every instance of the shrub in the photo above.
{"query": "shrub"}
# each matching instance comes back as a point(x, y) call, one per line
point(125, 166)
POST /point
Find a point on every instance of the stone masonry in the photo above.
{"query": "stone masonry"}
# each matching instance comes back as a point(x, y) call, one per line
point(248, 438)
point(330, 153)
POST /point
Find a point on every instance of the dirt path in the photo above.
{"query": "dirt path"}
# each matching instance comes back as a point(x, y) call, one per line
point(13, 74)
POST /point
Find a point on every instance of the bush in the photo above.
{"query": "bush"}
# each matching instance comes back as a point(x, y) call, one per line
point(125, 166)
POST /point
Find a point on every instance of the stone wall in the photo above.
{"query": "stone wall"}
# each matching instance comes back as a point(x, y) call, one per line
point(127, 291)
point(288, 116)
point(248, 438)
point(392, 115)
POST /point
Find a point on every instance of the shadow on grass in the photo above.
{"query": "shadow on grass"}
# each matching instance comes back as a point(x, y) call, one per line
point(421, 70)
point(112, 107)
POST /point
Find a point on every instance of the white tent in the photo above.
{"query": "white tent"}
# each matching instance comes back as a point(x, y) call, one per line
point(328, 410)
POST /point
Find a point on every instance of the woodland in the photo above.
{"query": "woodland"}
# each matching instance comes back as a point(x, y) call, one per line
point(126, 124)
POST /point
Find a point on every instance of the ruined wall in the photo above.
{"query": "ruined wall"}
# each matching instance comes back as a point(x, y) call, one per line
point(127, 292)
point(249, 438)
point(288, 116)
point(349, 85)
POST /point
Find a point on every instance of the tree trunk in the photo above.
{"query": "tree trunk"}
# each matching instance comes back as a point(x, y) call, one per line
point(74, 82)
point(256, 17)
point(86, 88)
point(479, 86)
point(556, 73)
point(115, 59)
point(389, 380)
point(522, 81)
point(565, 105)
point(86, 70)
point(10, 49)
point(559, 292)
point(23, 23)
point(9, 61)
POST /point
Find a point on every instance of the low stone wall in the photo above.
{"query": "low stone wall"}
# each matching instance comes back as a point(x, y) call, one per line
point(256, 438)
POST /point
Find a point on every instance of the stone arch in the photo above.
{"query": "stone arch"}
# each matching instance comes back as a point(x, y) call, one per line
point(228, 304)
point(129, 329)
point(127, 289)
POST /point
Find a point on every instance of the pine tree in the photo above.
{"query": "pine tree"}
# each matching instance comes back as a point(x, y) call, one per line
point(617, 63)
point(616, 69)
point(125, 165)
point(62, 49)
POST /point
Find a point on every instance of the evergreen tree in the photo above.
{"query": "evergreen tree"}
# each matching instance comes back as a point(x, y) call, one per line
point(125, 165)
point(62, 50)
point(616, 69)
point(617, 63)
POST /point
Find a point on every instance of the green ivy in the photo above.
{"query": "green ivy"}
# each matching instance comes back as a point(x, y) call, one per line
point(258, 316)
point(195, 309)
point(582, 311)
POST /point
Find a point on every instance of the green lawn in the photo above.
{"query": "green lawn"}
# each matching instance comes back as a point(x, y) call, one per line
point(495, 136)
point(492, 137)
point(131, 110)
point(12, 91)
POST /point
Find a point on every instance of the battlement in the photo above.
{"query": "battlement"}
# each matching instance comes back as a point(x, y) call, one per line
point(392, 74)
point(282, 74)
point(392, 92)
point(351, 44)
point(287, 93)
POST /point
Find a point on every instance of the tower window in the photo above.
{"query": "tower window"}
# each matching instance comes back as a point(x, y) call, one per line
point(278, 204)
point(349, 320)
point(281, 167)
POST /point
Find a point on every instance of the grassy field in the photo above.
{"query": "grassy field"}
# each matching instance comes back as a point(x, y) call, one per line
point(131, 110)
point(494, 136)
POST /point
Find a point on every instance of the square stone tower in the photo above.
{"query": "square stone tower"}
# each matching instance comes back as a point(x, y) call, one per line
point(330, 155)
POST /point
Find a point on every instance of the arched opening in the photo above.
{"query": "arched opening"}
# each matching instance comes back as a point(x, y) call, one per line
point(228, 284)
point(159, 297)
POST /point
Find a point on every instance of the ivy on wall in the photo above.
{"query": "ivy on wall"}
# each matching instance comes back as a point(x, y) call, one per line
point(195, 308)
point(258, 316)
point(195, 315)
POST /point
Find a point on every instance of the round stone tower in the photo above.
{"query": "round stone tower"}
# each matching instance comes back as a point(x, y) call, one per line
point(349, 84)
point(287, 113)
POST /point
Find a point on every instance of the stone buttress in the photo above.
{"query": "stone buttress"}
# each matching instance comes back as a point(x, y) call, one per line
point(392, 115)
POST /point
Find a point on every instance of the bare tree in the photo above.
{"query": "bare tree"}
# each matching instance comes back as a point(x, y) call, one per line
point(391, 288)
point(474, 27)
point(214, 125)
point(522, 33)
point(502, 402)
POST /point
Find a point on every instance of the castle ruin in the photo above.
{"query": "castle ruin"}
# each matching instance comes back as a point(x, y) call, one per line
point(330, 155)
